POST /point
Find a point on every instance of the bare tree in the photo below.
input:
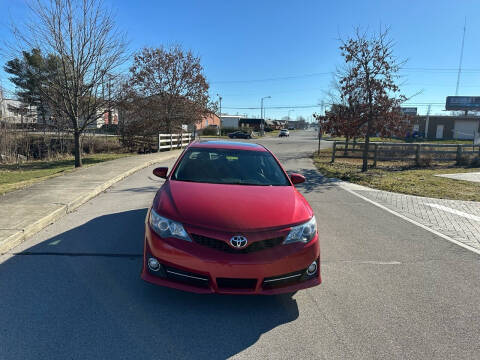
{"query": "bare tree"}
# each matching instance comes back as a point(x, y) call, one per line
point(166, 88)
point(370, 95)
point(81, 35)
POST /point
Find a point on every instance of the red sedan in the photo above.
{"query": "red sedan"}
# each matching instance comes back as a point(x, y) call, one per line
point(229, 220)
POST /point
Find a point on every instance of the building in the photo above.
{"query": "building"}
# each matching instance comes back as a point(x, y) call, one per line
point(15, 112)
point(279, 124)
point(447, 127)
point(231, 121)
point(210, 120)
point(113, 120)
point(269, 124)
point(297, 124)
point(251, 124)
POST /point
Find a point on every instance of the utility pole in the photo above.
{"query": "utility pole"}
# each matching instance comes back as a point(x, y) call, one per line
point(261, 113)
point(220, 114)
point(427, 121)
point(322, 105)
point(461, 56)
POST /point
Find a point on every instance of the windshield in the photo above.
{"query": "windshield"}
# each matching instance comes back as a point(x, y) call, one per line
point(227, 166)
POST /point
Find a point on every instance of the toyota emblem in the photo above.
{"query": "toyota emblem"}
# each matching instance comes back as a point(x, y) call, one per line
point(238, 241)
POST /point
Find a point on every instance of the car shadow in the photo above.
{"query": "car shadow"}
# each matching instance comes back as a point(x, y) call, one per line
point(315, 182)
point(79, 295)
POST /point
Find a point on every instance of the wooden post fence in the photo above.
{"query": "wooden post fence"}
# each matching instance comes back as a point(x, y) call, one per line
point(333, 151)
point(459, 153)
point(417, 155)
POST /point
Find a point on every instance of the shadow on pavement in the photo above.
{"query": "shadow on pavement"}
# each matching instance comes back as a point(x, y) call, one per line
point(143, 189)
point(79, 295)
point(315, 181)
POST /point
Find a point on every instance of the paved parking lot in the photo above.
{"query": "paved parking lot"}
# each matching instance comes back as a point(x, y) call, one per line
point(391, 289)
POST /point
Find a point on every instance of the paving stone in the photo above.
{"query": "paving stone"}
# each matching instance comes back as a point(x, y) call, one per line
point(463, 229)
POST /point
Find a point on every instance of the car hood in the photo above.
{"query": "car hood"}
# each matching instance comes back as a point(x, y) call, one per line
point(232, 207)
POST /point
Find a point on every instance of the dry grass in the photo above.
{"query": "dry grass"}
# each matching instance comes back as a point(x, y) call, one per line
point(15, 176)
point(402, 177)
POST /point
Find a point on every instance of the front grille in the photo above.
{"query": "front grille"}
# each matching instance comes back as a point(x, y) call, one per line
point(231, 283)
point(186, 277)
point(223, 246)
point(283, 280)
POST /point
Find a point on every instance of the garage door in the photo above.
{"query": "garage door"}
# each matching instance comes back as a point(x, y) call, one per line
point(465, 129)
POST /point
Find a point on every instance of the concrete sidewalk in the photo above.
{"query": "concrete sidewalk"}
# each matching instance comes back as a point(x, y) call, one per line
point(24, 212)
point(473, 176)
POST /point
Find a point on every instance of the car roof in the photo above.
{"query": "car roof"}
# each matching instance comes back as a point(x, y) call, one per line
point(224, 144)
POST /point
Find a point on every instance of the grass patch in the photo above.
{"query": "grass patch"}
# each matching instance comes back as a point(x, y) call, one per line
point(272, 133)
point(13, 176)
point(402, 177)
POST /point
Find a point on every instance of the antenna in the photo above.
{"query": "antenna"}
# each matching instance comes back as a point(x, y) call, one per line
point(461, 56)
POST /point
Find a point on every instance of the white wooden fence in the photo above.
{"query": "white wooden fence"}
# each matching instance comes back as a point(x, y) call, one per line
point(174, 141)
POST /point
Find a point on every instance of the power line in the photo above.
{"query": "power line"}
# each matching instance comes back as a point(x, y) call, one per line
point(414, 69)
point(272, 79)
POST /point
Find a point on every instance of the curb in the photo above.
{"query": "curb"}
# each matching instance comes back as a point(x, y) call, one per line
point(21, 235)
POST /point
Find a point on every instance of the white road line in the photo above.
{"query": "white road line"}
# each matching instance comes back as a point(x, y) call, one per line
point(456, 212)
point(448, 238)
point(369, 262)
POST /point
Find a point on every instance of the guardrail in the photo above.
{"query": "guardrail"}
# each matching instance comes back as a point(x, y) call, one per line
point(403, 151)
point(174, 141)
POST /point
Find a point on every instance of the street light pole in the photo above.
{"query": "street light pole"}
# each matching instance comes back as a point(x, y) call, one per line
point(220, 114)
point(289, 113)
point(261, 112)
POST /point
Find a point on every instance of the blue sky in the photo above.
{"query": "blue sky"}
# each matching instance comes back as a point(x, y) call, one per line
point(288, 49)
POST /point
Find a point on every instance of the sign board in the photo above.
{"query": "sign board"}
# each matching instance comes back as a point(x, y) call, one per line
point(463, 103)
point(409, 110)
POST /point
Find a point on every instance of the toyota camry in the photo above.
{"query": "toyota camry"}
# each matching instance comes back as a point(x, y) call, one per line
point(228, 219)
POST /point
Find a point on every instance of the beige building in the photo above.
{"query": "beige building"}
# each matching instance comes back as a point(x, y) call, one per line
point(14, 112)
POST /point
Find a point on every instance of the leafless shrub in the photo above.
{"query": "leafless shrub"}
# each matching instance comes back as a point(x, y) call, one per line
point(465, 160)
point(475, 162)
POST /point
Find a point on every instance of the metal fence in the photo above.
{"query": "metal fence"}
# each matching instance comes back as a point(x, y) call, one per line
point(404, 151)
point(174, 141)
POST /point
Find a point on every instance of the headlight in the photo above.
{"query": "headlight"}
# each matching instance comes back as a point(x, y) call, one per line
point(167, 228)
point(302, 233)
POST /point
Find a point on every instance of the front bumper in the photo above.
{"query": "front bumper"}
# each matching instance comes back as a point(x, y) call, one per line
point(192, 267)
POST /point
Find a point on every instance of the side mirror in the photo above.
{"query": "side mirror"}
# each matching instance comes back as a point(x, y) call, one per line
point(161, 172)
point(297, 178)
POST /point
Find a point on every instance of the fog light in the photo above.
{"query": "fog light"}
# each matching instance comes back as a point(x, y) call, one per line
point(153, 264)
point(312, 269)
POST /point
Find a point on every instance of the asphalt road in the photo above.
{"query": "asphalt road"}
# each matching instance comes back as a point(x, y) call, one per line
point(390, 290)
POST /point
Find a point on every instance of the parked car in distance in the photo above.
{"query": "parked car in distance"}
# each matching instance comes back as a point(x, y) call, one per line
point(291, 128)
point(284, 132)
point(228, 219)
point(239, 135)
